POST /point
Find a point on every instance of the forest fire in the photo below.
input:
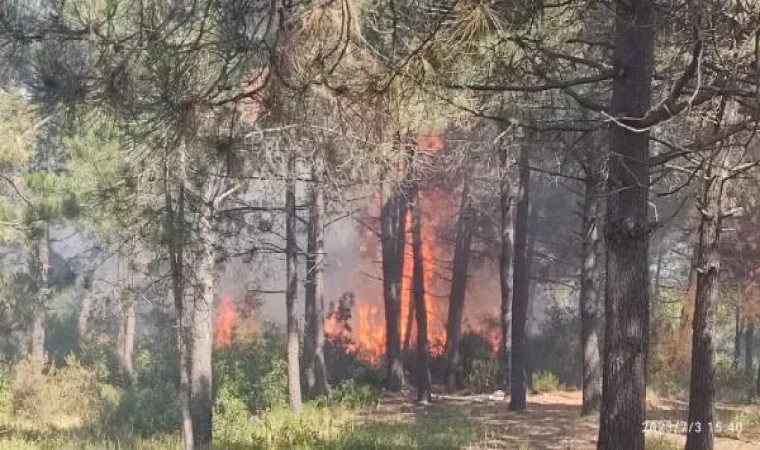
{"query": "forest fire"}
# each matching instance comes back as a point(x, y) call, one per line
point(224, 326)
point(367, 333)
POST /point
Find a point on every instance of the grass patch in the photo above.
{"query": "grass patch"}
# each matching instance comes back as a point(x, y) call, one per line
point(660, 442)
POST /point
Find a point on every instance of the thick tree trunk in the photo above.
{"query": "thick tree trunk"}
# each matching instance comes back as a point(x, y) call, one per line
point(738, 332)
point(174, 230)
point(201, 377)
point(749, 348)
point(626, 339)
point(291, 290)
point(700, 431)
point(39, 318)
point(389, 236)
point(126, 338)
point(314, 342)
point(590, 305)
point(459, 271)
point(521, 286)
point(418, 290)
point(505, 254)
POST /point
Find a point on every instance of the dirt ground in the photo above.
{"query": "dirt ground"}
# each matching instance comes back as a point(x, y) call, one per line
point(552, 421)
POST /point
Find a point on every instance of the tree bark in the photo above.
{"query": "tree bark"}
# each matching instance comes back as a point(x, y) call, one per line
point(738, 332)
point(749, 348)
point(314, 342)
point(291, 290)
point(201, 376)
point(506, 230)
point(126, 338)
point(418, 288)
point(590, 305)
point(626, 339)
point(175, 230)
point(389, 236)
point(39, 318)
point(459, 272)
point(700, 432)
point(85, 309)
point(521, 285)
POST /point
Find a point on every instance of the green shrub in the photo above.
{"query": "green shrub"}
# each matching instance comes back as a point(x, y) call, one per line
point(353, 394)
point(255, 370)
point(6, 393)
point(146, 411)
point(545, 381)
point(479, 370)
point(312, 427)
point(70, 392)
point(232, 422)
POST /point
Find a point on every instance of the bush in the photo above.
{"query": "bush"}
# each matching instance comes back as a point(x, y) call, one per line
point(146, 411)
point(232, 421)
point(6, 393)
point(353, 394)
point(545, 381)
point(70, 392)
point(479, 370)
point(255, 370)
point(557, 345)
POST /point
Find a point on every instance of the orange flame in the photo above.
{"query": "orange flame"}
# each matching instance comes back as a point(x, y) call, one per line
point(225, 323)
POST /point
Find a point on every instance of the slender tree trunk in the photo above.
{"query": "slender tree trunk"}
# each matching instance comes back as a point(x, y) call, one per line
point(418, 288)
point(626, 340)
point(749, 348)
point(738, 332)
point(459, 271)
point(39, 318)
point(85, 309)
point(700, 432)
point(530, 258)
point(291, 290)
point(314, 356)
point(174, 229)
point(506, 229)
point(590, 305)
point(201, 375)
point(757, 384)
point(521, 286)
point(409, 326)
point(403, 281)
point(389, 221)
point(126, 338)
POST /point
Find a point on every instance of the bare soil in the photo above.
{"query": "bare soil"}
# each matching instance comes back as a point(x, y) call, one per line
point(552, 421)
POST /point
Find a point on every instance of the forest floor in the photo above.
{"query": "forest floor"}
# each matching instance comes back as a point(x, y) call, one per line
point(552, 421)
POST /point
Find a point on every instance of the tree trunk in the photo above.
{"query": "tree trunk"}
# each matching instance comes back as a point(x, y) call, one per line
point(389, 236)
point(459, 271)
point(521, 285)
point(757, 384)
point(590, 306)
point(700, 432)
point(505, 254)
point(126, 338)
point(738, 331)
point(314, 342)
point(749, 348)
point(291, 290)
point(626, 339)
point(85, 309)
point(418, 288)
point(201, 376)
point(174, 230)
point(39, 318)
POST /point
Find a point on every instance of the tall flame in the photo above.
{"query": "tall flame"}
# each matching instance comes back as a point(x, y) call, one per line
point(225, 323)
